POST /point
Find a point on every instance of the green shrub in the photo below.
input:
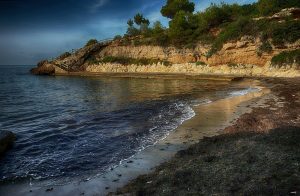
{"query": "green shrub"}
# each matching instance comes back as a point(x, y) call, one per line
point(269, 7)
point(91, 42)
point(187, 28)
point(182, 28)
point(279, 33)
point(172, 7)
point(286, 32)
point(266, 47)
point(234, 31)
point(64, 55)
point(117, 37)
point(287, 58)
point(200, 63)
point(92, 60)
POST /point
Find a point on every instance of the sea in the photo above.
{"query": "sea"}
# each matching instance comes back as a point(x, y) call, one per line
point(70, 128)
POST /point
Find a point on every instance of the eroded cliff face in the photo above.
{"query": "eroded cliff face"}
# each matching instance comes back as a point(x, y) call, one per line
point(172, 54)
point(243, 51)
point(246, 51)
point(243, 54)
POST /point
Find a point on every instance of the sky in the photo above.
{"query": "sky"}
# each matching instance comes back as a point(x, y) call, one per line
point(32, 30)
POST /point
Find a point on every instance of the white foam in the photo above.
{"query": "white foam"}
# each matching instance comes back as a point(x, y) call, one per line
point(243, 92)
point(187, 113)
point(201, 102)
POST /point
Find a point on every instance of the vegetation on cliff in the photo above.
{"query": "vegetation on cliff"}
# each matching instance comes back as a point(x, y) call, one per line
point(258, 26)
point(215, 25)
point(287, 58)
point(91, 42)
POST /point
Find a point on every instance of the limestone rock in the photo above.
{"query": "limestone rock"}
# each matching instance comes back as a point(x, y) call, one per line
point(43, 68)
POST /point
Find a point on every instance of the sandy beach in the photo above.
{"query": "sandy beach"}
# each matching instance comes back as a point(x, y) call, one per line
point(257, 154)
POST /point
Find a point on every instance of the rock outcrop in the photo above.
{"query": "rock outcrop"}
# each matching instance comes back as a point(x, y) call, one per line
point(171, 54)
point(7, 139)
point(245, 52)
point(68, 62)
point(43, 68)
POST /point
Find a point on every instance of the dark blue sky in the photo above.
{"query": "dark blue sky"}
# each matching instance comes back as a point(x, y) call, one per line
point(31, 30)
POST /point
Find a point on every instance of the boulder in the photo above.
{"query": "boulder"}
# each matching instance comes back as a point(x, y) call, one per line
point(43, 68)
point(7, 139)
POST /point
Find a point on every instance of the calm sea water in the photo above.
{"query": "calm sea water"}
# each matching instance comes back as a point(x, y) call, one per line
point(76, 127)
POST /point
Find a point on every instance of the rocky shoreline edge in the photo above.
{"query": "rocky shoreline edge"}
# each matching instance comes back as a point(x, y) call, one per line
point(258, 154)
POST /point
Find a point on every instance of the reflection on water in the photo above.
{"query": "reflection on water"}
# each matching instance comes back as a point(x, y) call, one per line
point(74, 127)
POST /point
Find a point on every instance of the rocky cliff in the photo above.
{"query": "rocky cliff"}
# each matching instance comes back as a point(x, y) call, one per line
point(242, 57)
point(243, 51)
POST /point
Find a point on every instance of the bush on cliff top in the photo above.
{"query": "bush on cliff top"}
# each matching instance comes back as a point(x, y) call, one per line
point(91, 42)
point(217, 24)
point(234, 21)
point(269, 7)
point(286, 32)
point(234, 31)
point(279, 32)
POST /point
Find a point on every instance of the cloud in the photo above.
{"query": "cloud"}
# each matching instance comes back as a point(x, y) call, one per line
point(98, 4)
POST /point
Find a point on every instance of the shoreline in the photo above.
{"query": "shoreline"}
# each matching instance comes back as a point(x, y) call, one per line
point(151, 75)
point(188, 133)
point(257, 154)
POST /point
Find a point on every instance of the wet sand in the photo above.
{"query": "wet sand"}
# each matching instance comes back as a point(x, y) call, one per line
point(209, 120)
point(151, 75)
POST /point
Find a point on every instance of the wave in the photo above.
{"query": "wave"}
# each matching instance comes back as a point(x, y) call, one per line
point(166, 121)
